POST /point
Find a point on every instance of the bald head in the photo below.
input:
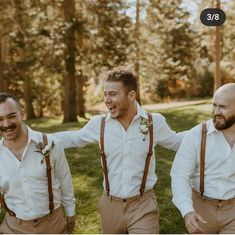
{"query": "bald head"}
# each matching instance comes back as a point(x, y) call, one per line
point(227, 90)
point(223, 111)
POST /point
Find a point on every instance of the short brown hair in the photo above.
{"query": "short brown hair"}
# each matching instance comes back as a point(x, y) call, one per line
point(5, 95)
point(125, 76)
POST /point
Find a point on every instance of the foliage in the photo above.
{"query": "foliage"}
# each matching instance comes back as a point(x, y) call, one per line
point(173, 39)
point(175, 54)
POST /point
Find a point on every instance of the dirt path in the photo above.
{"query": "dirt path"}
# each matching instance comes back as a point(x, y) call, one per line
point(102, 108)
point(172, 104)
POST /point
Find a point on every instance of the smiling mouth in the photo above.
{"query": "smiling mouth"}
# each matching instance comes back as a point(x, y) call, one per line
point(112, 108)
point(219, 118)
point(8, 129)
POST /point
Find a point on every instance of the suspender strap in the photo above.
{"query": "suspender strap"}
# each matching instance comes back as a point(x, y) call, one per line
point(4, 206)
point(104, 163)
point(202, 157)
point(48, 165)
point(150, 153)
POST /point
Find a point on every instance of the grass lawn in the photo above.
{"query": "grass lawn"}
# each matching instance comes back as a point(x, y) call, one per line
point(87, 172)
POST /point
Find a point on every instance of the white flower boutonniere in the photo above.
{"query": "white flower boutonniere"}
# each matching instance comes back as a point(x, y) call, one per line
point(144, 126)
point(44, 150)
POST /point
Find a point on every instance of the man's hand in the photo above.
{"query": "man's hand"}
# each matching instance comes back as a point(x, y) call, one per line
point(71, 220)
point(191, 222)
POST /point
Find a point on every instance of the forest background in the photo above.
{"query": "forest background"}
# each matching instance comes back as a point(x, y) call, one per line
point(54, 54)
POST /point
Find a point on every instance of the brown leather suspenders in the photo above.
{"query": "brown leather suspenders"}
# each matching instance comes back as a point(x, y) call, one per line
point(104, 164)
point(202, 157)
point(50, 191)
point(48, 165)
point(147, 162)
point(150, 153)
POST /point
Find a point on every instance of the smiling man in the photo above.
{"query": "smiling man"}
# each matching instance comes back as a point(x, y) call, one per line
point(34, 190)
point(203, 172)
point(127, 136)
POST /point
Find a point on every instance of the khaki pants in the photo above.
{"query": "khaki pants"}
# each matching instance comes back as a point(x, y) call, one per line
point(52, 223)
point(220, 215)
point(137, 214)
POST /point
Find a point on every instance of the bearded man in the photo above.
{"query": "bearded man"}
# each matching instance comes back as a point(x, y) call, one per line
point(203, 172)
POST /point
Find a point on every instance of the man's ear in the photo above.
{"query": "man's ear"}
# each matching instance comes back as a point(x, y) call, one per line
point(132, 96)
point(22, 114)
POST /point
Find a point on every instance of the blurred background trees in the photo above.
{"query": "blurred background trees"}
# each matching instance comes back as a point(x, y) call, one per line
point(53, 53)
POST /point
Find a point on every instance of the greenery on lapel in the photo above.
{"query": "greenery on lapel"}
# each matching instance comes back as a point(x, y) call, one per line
point(144, 127)
point(44, 150)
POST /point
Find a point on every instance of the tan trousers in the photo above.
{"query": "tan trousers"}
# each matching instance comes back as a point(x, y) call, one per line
point(137, 214)
point(52, 223)
point(220, 215)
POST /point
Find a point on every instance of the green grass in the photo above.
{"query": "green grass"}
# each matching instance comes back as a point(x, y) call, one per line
point(87, 172)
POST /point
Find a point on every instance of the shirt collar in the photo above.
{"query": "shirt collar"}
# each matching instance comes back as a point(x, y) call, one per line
point(140, 112)
point(34, 135)
point(211, 127)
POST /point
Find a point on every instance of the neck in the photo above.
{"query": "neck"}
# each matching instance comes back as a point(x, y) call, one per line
point(230, 131)
point(20, 141)
point(127, 119)
point(229, 135)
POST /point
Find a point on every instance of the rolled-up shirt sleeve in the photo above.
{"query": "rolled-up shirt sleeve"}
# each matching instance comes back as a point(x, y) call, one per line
point(63, 175)
point(164, 135)
point(183, 167)
point(88, 134)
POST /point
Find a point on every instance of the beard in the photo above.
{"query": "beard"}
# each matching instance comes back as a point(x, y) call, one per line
point(225, 124)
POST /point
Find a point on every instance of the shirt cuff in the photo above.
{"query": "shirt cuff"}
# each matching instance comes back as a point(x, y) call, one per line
point(186, 208)
point(70, 211)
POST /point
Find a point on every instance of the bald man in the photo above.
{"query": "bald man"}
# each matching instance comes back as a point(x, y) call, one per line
point(203, 172)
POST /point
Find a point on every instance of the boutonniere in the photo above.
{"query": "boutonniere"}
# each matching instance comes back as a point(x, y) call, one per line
point(44, 150)
point(144, 127)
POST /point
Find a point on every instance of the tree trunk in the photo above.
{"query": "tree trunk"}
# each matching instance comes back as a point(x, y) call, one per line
point(70, 114)
point(26, 77)
point(137, 58)
point(80, 96)
point(1, 68)
point(217, 79)
point(28, 98)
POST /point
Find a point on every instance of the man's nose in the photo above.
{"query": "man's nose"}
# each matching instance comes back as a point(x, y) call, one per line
point(107, 99)
point(217, 111)
point(5, 122)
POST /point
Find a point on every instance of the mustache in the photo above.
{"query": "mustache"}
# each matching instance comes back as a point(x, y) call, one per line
point(12, 126)
point(218, 115)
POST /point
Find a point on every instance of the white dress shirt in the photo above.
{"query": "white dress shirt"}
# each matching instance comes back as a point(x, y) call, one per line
point(219, 168)
point(125, 150)
point(25, 184)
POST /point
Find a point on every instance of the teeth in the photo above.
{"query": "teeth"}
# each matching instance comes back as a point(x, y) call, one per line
point(9, 130)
